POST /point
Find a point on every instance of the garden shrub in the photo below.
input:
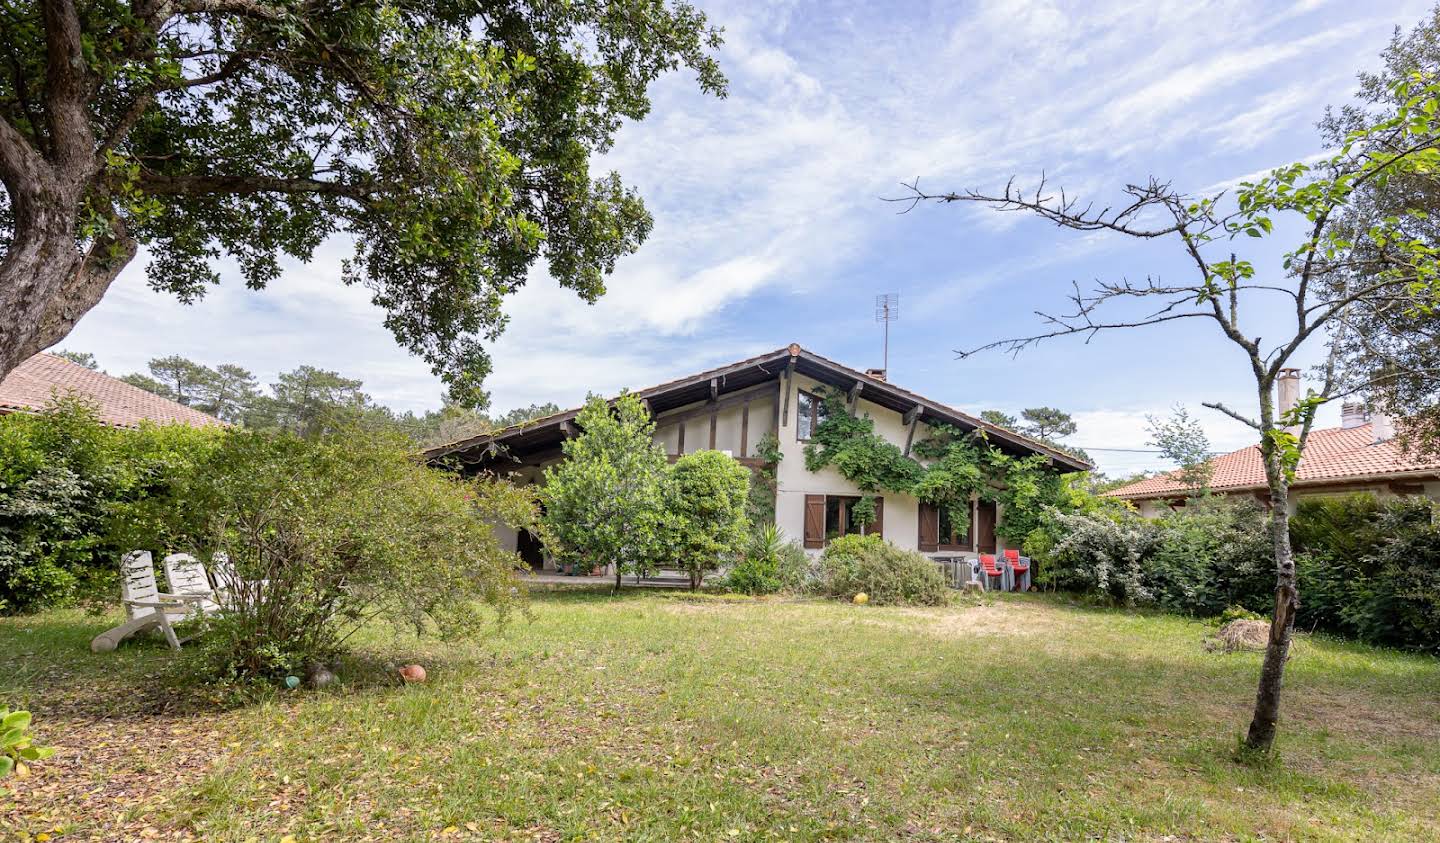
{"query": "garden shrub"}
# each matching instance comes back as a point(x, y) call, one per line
point(707, 495)
point(1365, 568)
point(605, 503)
point(1398, 603)
point(1198, 560)
point(70, 488)
point(770, 564)
point(341, 531)
point(890, 576)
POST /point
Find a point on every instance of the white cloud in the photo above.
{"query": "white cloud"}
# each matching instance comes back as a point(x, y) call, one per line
point(773, 192)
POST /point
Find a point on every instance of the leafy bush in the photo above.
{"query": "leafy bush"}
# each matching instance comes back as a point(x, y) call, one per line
point(708, 492)
point(854, 564)
point(1366, 569)
point(770, 564)
point(1397, 600)
point(69, 490)
point(331, 533)
point(1198, 560)
point(605, 502)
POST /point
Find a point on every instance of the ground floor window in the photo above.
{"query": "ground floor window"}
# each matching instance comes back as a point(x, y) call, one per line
point(944, 529)
point(831, 516)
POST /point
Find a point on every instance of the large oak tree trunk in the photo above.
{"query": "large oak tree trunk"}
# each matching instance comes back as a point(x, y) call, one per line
point(1261, 735)
point(47, 283)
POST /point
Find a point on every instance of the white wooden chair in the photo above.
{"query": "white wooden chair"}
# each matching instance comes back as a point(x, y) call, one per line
point(146, 606)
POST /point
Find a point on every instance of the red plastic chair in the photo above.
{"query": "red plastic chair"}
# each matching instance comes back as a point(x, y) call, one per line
point(1019, 568)
point(990, 568)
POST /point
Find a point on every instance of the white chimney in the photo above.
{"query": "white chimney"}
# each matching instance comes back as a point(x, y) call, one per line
point(1382, 428)
point(1352, 415)
point(1289, 388)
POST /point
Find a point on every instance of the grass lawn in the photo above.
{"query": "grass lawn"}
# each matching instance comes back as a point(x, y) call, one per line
point(653, 717)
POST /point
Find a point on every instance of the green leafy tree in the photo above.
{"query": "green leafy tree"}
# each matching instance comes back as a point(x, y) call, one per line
point(80, 358)
point(311, 402)
point(450, 142)
point(230, 393)
point(181, 379)
point(1388, 350)
point(340, 531)
point(520, 415)
point(1000, 419)
point(1182, 440)
point(145, 382)
point(708, 493)
point(1047, 423)
point(1319, 273)
point(605, 502)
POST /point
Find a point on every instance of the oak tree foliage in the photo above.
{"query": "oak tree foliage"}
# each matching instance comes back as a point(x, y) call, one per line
point(448, 141)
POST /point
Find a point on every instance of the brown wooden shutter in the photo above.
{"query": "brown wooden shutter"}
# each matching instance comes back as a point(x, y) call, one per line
point(814, 521)
point(877, 527)
point(986, 528)
point(929, 528)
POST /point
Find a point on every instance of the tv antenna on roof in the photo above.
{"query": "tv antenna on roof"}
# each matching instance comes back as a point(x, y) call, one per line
point(887, 310)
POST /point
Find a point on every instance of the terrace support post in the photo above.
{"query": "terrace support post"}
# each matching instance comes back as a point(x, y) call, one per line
point(854, 397)
point(714, 416)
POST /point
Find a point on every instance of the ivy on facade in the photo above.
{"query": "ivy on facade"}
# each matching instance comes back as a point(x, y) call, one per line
point(948, 469)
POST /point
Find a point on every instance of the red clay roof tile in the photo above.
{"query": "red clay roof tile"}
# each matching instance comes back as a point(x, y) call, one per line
point(37, 381)
point(1332, 455)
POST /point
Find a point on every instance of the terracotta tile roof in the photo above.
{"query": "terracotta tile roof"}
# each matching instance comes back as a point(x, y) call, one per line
point(35, 382)
point(1332, 455)
point(950, 414)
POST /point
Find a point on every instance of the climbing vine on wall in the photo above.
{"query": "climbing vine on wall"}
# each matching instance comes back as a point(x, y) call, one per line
point(959, 465)
point(761, 504)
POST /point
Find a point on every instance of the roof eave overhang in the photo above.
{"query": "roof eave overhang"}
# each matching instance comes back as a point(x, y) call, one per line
point(874, 390)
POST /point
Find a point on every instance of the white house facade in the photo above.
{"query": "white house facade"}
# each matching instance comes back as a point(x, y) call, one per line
point(733, 408)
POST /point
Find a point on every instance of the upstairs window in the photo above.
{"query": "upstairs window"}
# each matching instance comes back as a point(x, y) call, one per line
point(809, 412)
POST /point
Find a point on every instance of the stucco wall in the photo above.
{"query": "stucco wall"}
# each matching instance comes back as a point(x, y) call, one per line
point(728, 422)
point(902, 513)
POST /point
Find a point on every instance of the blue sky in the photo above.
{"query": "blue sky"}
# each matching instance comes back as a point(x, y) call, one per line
point(769, 226)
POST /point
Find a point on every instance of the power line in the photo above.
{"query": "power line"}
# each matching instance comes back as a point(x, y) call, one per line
point(1132, 450)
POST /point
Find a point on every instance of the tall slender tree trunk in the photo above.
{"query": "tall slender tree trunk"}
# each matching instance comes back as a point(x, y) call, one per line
point(1261, 735)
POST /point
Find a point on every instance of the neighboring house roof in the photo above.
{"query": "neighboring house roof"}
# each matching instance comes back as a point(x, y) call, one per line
point(548, 432)
point(36, 382)
point(1333, 455)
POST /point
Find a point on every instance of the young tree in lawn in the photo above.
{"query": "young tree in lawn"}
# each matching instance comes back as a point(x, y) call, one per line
point(708, 492)
point(1330, 272)
point(605, 502)
point(1182, 440)
point(450, 142)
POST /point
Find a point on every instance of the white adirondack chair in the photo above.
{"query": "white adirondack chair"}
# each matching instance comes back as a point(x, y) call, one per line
point(146, 606)
point(230, 588)
point(187, 579)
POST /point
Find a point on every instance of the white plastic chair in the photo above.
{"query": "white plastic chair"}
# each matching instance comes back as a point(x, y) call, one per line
point(146, 606)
